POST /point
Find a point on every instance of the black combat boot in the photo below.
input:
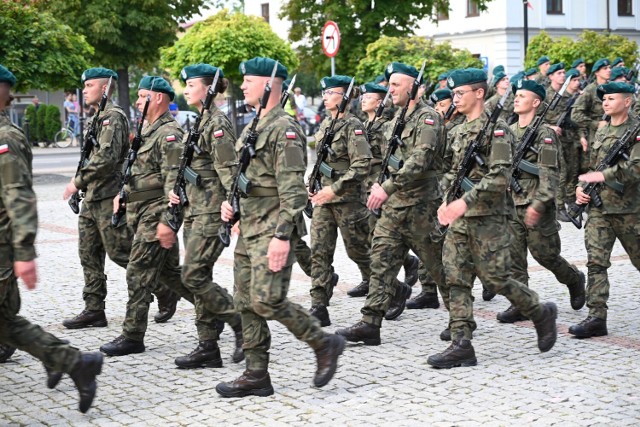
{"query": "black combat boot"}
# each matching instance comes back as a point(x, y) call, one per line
point(327, 359)
point(86, 319)
point(589, 327)
point(167, 305)
point(84, 374)
point(250, 383)
point(238, 353)
point(359, 291)
point(332, 285)
point(368, 333)
point(321, 313)
point(511, 315)
point(53, 378)
point(399, 302)
point(487, 295)
point(206, 355)
point(122, 346)
point(459, 353)
point(424, 300)
point(546, 327)
point(6, 351)
point(577, 295)
point(445, 335)
point(411, 265)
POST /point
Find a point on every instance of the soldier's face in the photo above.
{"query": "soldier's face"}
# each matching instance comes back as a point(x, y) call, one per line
point(443, 106)
point(614, 104)
point(604, 72)
point(332, 97)
point(466, 98)
point(93, 89)
point(582, 68)
point(503, 84)
point(558, 77)
point(574, 86)
point(370, 102)
point(525, 101)
point(545, 67)
point(400, 86)
point(253, 89)
point(195, 91)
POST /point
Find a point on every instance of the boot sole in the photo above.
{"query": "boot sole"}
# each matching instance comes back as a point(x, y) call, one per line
point(595, 334)
point(98, 324)
point(366, 341)
point(334, 367)
point(461, 363)
point(519, 319)
point(117, 353)
point(209, 364)
point(262, 392)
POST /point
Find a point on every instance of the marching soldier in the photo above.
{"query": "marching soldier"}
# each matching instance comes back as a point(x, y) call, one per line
point(501, 85)
point(619, 215)
point(18, 227)
point(543, 63)
point(581, 67)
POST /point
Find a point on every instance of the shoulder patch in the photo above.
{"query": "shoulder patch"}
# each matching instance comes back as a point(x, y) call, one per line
point(4, 148)
point(218, 133)
point(498, 132)
point(548, 140)
point(637, 137)
point(359, 132)
point(171, 137)
point(106, 122)
point(291, 135)
point(429, 122)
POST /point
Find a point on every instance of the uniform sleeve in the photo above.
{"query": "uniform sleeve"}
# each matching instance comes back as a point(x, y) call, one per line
point(359, 157)
point(19, 199)
point(548, 170)
point(169, 148)
point(112, 139)
point(580, 114)
point(225, 161)
point(626, 172)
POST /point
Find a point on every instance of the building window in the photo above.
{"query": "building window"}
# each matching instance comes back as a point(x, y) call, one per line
point(625, 8)
point(265, 11)
point(443, 16)
point(472, 8)
point(554, 7)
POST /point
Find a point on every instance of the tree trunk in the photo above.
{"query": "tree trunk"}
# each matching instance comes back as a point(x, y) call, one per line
point(123, 91)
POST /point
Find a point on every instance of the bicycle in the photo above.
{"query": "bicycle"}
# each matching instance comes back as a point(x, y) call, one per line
point(65, 136)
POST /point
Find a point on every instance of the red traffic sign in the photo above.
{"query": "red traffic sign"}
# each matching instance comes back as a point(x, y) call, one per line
point(330, 39)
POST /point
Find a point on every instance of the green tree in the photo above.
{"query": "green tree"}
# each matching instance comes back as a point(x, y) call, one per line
point(41, 51)
point(441, 57)
point(30, 117)
point(52, 123)
point(361, 22)
point(40, 123)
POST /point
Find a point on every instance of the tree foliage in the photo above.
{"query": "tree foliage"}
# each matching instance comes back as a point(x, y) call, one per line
point(361, 22)
point(41, 131)
point(52, 123)
point(590, 45)
point(30, 117)
point(440, 57)
point(42, 52)
point(225, 40)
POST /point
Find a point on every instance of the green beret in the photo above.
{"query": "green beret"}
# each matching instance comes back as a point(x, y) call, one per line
point(617, 61)
point(517, 76)
point(530, 72)
point(98, 73)
point(572, 73)
point(335, 81)
point(397, 67)
point(599, 64)
point(577, 62)
point(614, 87)
point(555, 67)
point(465, 76)
point(497, 77)
point(7, 76)
point(617, 72)
point(157, 84)
point(542, 60)
point(531, 86)
point(381, 78)
point(497, 69)
point(373, 88)
point(441, 94)
point(443, 76)
point(199, 70)
point(263, 67)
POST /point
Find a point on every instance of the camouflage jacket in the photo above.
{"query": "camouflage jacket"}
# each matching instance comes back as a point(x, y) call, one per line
point(543, 80)
point(150, 183)
point(507, 109)
point(538, 191)
point(101, 177)
point(351, 160)
point(215, 165)
point(424, 141)
point(587, 112)
point(378, 146)
point(569, 130)
point(625, 172)
point(279, 165)
point(18, 213)
point(446, 176)
point(489, 195)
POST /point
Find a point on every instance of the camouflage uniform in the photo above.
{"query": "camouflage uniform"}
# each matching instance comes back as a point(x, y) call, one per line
point(617, 218)
point(18, 227)
point(507, 109)
point(478, 243)
point(586, 114)
point(347, 211)
point(544, 81)
point(274, 206)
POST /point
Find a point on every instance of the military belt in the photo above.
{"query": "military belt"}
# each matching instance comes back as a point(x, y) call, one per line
point(340, 166)
point(263, 192)
point(207, 173)
point(140, 196)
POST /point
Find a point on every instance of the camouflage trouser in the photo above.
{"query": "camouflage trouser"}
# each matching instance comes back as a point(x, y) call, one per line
point(397, 231)
point(303, 256)
point(544, 244)
point(571, 150)
point(480, 245)
point(560, 192)
point(352, 220)
point(202, 249)
point(600, 234)
point(261, 295)
point(18, 332)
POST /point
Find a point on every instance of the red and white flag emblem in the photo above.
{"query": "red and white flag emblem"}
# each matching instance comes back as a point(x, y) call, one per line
point(498, 132)
point(106, 122)
point(219, 133)
point(171, 138)
point(359, 132)
point(638, 138)
point(4, 148)
point(548, 141)
point(428, 121)
point(291, 135)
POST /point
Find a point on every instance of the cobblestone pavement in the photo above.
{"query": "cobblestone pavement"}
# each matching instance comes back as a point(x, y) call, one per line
point(588, 382)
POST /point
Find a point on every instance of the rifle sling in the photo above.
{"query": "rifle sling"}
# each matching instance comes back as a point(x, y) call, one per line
point(263, 192)
point(339, 166)
point(617, 186)
point(139, 196)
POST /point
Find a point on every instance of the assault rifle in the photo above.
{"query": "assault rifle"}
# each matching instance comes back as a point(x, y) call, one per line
point(564, 121)
point(89, 141)
point(395, 141)
point(241, 186)
point(324, 149)
point(471, 157)
point(131, 157)
point(620, 149)
point(286, 95)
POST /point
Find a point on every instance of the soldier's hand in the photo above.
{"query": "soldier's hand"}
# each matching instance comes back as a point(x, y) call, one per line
point(277, 254)
point(323, 196)
point(235, 230)
point(69, 190)
point(226, 211)
point(173, 198)
point(581, 197)
point(451, 212)
point(377, 197)
point(116, 203)
point(584, 143)
point(592, 177)
point(165, 235)
point(26, 270)
point(531, 217)
point(556, 129)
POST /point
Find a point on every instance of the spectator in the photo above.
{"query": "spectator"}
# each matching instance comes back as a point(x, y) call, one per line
point(71, 112)
point(36, 102)
point(301, 100)
point(173, 109)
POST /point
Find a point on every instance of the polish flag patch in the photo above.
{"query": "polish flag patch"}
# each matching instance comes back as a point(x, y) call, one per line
point(548, 141)
point(498, 132)
point(106, 122)
point(359, 132)
point(4, 148)
point(637, 137)
point(291, 135)
point(429, 122)
point(219, 133)
point(171, 138)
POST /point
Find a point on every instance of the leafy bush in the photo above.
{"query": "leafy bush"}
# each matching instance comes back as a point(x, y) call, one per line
point(40, 123)
point(31, 118)
point(52, 123)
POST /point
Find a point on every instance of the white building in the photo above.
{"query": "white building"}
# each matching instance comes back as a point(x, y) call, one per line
point(497, 34)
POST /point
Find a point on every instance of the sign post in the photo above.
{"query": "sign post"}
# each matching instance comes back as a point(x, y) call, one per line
point(331, 42)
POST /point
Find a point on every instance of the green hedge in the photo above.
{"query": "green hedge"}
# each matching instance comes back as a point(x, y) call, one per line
point(52, 123)
point(30, 116)
point(40, 122)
